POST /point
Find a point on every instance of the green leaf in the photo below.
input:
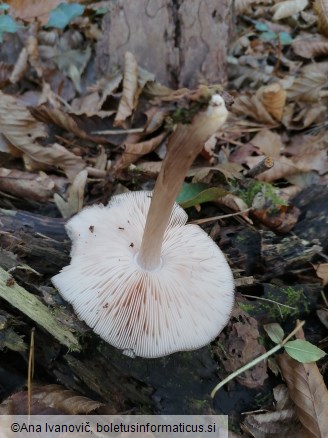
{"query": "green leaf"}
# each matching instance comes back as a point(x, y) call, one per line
point(7, 24)
point(195, 194)
point(262, 27)
point(275, 332)
point(303, 351)
point(268, 36)
point(61, 16)
point(285, 38)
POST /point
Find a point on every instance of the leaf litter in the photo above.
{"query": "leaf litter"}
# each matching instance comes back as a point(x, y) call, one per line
point(68, 139)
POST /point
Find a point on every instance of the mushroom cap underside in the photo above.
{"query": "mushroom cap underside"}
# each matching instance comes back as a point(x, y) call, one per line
point(182, 305)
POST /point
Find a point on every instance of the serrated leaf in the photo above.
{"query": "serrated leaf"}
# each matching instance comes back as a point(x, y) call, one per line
point(303, 351)
point(275, 332)
point(262, 27)
point(195, 194)
point(285, 38)
point(64, 14)
point(7, 24)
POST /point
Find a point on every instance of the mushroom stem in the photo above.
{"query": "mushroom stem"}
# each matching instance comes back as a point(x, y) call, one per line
point(184, 145)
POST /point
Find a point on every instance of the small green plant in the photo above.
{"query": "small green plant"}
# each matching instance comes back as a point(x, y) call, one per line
point(268, 191)
point(299, 349)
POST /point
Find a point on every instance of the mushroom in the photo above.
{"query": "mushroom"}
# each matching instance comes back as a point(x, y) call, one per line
point(146, 282)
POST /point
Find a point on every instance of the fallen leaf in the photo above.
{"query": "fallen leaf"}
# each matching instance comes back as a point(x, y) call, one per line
point(251, 106)
point(323, 316)
point(322, 272)
point(235, 204)
point(310, 46)
point(268, 142)
point(128, 100)
point(281, 219)
point(58, 117)
point(195, 194)
point(133, 151)
point(321, 9)
point(73, 63)
point(47, 399)
point(75, 196)
point(240, 342)
point(26, 185)
point(273, 98)
point(309, 393)
point(22, 130)
point(5, 72)
point(308, 86)
point(20, 67)
point(30, 10)
point(287, 8)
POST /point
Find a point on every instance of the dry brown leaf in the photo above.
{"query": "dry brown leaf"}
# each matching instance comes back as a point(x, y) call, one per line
point(75, 196)
point(128, 100)
point(323, 316)
point(273, 98)
point(26, 185)
point(321, 9)
point(242, 6)
point(29, 10)
point(268, 142)
point(309, 85)
point(287, 8)
point(22, 130)
point(309, 393)
point(57, 117)
point(252, 107)
point(322, 272)
point(5, 72)
point(49, 399)
point(133, 151)
point(309, 152)
point(310, 46)
point(281, 423)
point(235, 204)
point(20, 67)
point(240, 344)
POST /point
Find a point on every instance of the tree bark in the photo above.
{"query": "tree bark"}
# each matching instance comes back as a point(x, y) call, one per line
point(182, 42)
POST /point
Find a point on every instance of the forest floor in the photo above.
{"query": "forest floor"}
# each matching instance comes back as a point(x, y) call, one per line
point(70, 138)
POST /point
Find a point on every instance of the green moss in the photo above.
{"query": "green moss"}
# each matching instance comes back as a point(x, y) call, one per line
point(269, 192)
point(248, 308)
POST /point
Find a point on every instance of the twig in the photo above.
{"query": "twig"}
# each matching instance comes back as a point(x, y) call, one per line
point(270, 301)
point(30, 371)
point(215, 218)
point(119, 131)
point(261, 167)
point(259, 359)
